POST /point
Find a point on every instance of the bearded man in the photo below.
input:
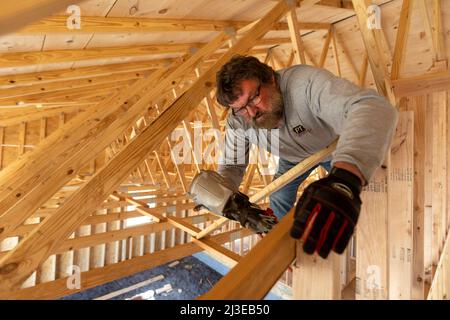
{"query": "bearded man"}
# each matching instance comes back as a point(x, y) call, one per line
point(309, 108)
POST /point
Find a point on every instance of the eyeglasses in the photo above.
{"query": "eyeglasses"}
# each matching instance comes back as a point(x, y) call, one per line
point(253, 101)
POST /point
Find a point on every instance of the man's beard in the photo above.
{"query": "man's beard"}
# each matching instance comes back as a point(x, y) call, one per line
point(271, 119)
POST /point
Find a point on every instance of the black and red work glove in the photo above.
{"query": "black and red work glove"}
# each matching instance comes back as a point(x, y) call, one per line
point(327, 213)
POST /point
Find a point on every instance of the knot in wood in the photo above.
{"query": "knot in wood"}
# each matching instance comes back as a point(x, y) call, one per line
point(9, 268)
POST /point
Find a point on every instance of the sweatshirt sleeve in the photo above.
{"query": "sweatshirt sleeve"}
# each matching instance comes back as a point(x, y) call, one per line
point(364, 120)
point(235, 157)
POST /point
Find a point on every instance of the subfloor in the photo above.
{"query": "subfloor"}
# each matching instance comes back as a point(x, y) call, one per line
point(184, 279)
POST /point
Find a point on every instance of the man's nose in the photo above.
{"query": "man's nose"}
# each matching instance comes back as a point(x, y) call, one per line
point(251, 110)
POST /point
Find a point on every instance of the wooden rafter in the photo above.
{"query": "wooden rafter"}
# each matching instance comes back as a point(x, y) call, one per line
point(27, 79)
point(2, 141)
point(437, 32)
point(402, 37)
point(257, 272)
point(13, 266)
point(423, 84)
point(375, 56)
point(55, 56)
point(336, 54)
point(30, 114)
point(363, 73)
point(22, 59)
point(9, 205)
point(98, 239)
point(130, 24)
point(294, 30)
point(345, 52)
point(58, 288)
point(326, 45)
point(69, 84)
point(229, 258)
point(82, 90)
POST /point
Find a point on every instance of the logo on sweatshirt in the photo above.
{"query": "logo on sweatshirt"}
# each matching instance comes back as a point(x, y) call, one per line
point(299, 129)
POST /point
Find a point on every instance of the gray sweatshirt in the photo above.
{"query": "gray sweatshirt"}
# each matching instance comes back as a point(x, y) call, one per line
point(318, 108)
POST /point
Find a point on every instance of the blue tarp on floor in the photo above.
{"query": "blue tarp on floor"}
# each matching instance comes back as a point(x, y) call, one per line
point(189, 279)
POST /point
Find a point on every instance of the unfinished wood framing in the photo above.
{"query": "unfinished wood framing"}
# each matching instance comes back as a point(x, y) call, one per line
point(89, 115)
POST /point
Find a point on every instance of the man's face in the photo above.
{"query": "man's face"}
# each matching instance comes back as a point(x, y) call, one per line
point(260, 104)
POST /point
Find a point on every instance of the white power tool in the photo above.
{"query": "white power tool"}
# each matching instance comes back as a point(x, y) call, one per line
point(213, 192)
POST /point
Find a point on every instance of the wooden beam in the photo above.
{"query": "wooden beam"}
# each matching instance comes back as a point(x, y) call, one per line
point(346, 53)
point(66, 94)
point(105, 237)
point(95, 277)
point(428, 194)
point(417, 106)
point(34, 78)
point(25, 229)
point(315, 278)
point(401, 40)
point(336, 54)
point(374, 53)
point(439, 172)
point(438, 34)
point(23, 182)
point(58, 24)
point(14, 15)
point(294, 30)
point(213, 226)
point(2, 141)
point(258, 284)
point(363, 74)
point(400, 213)
point(372, 248)
point(326, 45)
point(36, 114)
point(423, 84)
point(136, 286)
point(141, 206)
point(163, 169)
point(178, 167)
point(222, 254)
point(18, 59)
point(22, 136)
point(440, 287)
point(95, 116)
point(331, 3)
point(293, 173)
point(372, 253)
point(310, 57)
point(258, 271)
point(20, 264)
point(41, 88)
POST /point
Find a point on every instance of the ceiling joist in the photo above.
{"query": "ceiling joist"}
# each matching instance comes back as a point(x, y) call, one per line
point(58, 24)
point(57, 56)
point(27, 79)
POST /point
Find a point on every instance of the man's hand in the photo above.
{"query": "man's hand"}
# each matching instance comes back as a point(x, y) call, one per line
point(327, 212)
